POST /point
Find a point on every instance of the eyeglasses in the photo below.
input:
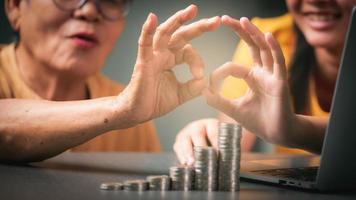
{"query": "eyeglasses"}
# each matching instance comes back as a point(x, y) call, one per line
point(110, 9)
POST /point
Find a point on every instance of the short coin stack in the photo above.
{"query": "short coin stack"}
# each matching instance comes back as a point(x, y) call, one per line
point(161, 182)
point(229, 156)
point(182, 177)
point(206, 168)
point(136, 185)
point(112, 186)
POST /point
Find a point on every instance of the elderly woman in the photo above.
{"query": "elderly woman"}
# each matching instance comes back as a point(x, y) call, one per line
point(310, 40)
point(53, 97)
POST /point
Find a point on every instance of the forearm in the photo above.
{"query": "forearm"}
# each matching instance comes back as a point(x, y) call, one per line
point(308, 133)
point(32, 130)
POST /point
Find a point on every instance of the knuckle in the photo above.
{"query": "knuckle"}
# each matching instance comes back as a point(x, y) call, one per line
point(161, 30)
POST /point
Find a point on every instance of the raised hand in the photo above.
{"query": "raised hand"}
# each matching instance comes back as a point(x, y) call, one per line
point(265, 109)
point(154, 89)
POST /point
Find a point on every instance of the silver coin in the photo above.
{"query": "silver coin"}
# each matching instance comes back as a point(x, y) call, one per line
point(111, 186)
point(161, 182)
point(182, 177)
point(206, 168)
point(136, 185)
point(229, 156)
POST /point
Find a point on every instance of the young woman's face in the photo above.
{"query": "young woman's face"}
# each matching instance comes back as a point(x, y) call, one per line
point(71, 42)
point(324, 23)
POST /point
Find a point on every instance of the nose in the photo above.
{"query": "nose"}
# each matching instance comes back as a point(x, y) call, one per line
point(88, 11)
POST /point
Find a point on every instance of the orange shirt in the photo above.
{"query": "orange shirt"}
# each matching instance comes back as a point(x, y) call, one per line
point(282, 29)
point(139, 138)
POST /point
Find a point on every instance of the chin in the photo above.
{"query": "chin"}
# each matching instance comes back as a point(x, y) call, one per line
point(324, 40)
point(80, 69)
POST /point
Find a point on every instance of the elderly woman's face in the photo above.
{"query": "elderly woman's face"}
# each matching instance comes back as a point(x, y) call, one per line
point(323, 22)
point(75, 42)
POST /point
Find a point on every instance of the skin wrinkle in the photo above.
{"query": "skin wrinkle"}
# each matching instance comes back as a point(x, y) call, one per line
point(152, 91)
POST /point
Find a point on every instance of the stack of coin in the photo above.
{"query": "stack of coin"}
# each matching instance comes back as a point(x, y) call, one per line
point(162, 182)
point(112, 186)
point(206, 168)
point(182, 177)
point(136, 185)
point(229, 156)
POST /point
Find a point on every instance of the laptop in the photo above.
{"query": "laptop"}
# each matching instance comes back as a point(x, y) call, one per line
point(335, 168)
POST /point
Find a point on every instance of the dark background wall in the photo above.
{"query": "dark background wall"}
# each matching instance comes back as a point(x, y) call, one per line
point(216, 48)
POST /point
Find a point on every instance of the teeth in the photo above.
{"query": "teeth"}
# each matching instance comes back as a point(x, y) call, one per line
point(318, 17)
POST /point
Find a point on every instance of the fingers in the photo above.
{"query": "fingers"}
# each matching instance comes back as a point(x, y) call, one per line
point(225, 70)
point(259, 39)
point(254, 38)
point(186, 33)
point(212, 130)
point(190, 56)
point(279, 66)
point(183, 148)
point(166, 29)
point(146, 37)
point(236, 26)
point(191, 89)
point(224, 105)
point(212, 95)
point(192, 135)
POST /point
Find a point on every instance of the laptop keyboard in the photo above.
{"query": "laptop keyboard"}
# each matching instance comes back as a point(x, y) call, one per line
point(302, 174)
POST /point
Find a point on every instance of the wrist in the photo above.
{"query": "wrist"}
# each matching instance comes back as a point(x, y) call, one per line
point(126, 110)
point(285, 133)
point(292, 133)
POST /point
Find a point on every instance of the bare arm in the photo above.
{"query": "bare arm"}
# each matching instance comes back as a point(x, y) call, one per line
point(32, 130)
point(307, 133)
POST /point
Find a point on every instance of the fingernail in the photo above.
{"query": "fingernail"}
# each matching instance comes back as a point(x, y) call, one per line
point(244, 18)
point(149, 15)
point(190, 6)
point(213, 19)
point(225, 17)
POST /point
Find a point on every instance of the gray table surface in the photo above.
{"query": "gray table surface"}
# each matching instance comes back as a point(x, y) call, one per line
point(79, 175)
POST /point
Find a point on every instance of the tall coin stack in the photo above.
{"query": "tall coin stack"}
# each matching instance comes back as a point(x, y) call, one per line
point(182, 177)
point(206, 169)
point(229, 156)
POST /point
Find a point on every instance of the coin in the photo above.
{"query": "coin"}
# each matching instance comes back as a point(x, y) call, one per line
point(161, 182)
point(111, 186)
point(182, 177)
point(229, 150)
point(206, 168)
point(136, 185)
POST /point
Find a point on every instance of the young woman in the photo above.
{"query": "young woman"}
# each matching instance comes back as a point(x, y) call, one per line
point(285, 107)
